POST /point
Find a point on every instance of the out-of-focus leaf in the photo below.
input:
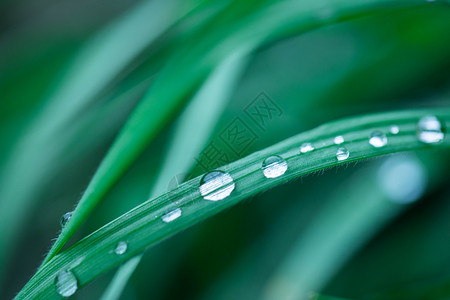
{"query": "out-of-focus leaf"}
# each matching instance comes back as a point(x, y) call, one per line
point(200, 117)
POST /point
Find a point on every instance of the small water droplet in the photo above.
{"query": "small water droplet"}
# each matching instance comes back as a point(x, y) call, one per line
point(171, 215)
point(77, 262)
point(378, 139)
point(394, 129)
point(121, 248)
point(430, 130)
point(306, 147)
point(342, 153)
point(216, 185)
point(274, 166)
point(339, 140)
point(65, 218)
point(66, 283)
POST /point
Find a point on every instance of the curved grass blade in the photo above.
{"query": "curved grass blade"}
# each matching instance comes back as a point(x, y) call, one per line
point(200, 116)
point(120, 279)
point(146, 225)
point(192, 64)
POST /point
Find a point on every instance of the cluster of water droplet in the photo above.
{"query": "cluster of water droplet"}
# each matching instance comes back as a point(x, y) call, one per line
point(218, 185)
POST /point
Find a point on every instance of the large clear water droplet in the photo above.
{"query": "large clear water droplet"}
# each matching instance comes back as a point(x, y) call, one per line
point(216, 185)
point(342, 153)
point(121, 248)
point(430, 130)
point(66, 283)
point(172, 215)
point(339, 140)
point(394, 129)
point(65, 218)
point(306, 147)
point(274, 166)
point(378, 139)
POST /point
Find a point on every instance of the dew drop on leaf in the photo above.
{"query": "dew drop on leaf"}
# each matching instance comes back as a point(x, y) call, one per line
point(274, 166)
point(339, 140)
point(171, 215)
point(77, 262)
point(66, 283)
point(121, 248)
point(306, 147)
point(216, 185)
point(65, 218)
point(342, 153)
point(394, 129)
point(378, 139)
point(429, 130)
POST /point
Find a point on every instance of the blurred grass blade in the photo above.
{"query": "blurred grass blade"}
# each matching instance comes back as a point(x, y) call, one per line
point(108, 54)
point(361, 207)
point(120, 279)
point(100, 62)
point(200, 117)
point(145, 225)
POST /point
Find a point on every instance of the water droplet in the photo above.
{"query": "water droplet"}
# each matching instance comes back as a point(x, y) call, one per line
point(378, 139)
point(274, 166)
point(172, 215)
point(394, 129)
point(342, 153)
point(77, 262)
point(306, 147)
point(65, 218)
point(66, 283)
point(430, 130)
point(121, 248)
point(339, 140)
point(216, 185)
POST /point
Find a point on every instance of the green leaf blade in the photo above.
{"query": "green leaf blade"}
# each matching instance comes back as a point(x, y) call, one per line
point(142, 226)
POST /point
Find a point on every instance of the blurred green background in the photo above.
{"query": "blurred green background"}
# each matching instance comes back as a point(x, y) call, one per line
point(343, 228)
